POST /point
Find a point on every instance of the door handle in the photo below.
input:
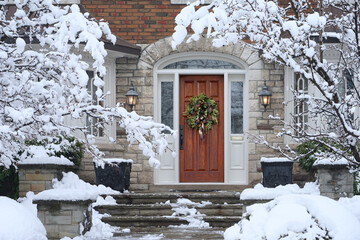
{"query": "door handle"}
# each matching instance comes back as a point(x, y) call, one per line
point(181, 137)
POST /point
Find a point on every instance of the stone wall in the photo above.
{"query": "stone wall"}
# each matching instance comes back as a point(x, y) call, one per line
point(335, 181)
point(259, 122)
point(38, 177)
point(64, 218)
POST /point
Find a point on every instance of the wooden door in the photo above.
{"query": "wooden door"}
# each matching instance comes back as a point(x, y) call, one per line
point(202, 160)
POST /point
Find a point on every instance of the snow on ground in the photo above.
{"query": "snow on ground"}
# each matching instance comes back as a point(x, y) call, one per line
point(72, 188)
point(18, 222)
point(259, 192)
point(298, 216)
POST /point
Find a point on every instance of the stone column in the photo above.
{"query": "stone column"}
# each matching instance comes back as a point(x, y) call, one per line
point(64, 218)
point(335, 181)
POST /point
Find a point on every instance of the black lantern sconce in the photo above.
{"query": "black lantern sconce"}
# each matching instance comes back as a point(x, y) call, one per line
point(131, 96)
point(265, 96)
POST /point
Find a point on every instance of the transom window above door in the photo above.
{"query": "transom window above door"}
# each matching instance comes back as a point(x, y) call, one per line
point(202, 64)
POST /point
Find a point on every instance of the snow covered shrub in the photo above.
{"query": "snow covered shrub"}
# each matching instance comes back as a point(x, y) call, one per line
point(304, 37)
point(308, 151)
point(294, 217)
point(72, 150)
point(43, 84)
point(9, 182)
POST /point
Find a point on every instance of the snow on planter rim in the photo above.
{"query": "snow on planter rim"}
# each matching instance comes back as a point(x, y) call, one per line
point(274, 159)
point(17, 222)
point(117, 160)
point(71, 188)
point(259, 192)
point(47, 160)
point(298, 217)
point(331, 161)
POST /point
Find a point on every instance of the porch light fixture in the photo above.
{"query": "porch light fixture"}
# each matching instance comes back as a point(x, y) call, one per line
point(265, 96)
point(131, 96)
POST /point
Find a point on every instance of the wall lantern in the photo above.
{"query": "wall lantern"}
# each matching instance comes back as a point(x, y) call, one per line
point(131, 96)
point(265, 96)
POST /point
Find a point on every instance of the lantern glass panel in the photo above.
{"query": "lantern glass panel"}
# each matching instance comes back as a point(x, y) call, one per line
point(131, 100)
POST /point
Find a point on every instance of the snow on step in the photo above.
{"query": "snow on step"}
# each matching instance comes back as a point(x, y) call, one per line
point(184, 210)
point(166, 209)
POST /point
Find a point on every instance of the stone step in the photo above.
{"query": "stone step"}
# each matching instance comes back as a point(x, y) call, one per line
point(166, 209)
point(165, 221)
point(152, 198)
point(171, 233)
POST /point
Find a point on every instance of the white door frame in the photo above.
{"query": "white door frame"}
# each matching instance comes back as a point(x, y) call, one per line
point(235, 167)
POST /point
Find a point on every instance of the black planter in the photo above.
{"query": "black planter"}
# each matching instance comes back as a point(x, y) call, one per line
point(115, 175)
point(276, 173)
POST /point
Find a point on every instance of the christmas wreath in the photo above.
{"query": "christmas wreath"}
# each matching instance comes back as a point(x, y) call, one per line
point(201, 113)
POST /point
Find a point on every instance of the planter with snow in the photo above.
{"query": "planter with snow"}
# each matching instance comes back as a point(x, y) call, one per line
point(276, 171)
point(334, 178)
point(114, 173)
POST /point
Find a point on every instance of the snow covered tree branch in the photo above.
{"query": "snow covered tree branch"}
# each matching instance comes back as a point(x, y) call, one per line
point(43, 80)
point(297, 35)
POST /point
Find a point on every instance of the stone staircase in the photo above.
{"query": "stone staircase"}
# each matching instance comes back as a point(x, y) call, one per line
point(145, 213)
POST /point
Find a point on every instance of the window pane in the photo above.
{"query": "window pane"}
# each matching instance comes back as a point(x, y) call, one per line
point(236, 107)
point(301, 106)
point(202, 64)
point(93, 125)
point(167, 111)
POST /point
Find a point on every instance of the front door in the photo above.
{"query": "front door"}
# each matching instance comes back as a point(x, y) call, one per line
point(202, 160)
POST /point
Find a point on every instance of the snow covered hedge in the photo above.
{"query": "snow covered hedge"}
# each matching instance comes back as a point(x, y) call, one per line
point(295, 34)
point(293, 217)
point(43, 80)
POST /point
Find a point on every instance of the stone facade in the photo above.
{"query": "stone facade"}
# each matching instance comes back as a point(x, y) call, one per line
point(64, 218)
point(335, 181)
point(38, 177)
point(149, 24)
point(141, 72)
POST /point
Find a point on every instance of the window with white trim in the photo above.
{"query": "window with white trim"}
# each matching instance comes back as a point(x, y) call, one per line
point(301, 114)
point(94, 127)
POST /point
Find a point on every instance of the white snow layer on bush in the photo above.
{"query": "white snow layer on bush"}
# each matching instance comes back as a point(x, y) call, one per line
point(47, 160)
point(17, 222)
point(294, 217)
point(72, 188)
point(259, 192)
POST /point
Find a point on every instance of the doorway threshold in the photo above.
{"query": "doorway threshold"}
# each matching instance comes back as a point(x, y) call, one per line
point(197, 188)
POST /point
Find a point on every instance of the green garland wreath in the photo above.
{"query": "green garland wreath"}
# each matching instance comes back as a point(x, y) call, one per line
point(201, 113)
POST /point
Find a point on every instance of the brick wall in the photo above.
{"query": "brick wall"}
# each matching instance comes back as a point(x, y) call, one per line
point(138, 21)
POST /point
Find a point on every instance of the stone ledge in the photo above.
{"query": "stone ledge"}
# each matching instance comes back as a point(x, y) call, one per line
point(48, 166)
point(331, 167)
point(53, 202)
